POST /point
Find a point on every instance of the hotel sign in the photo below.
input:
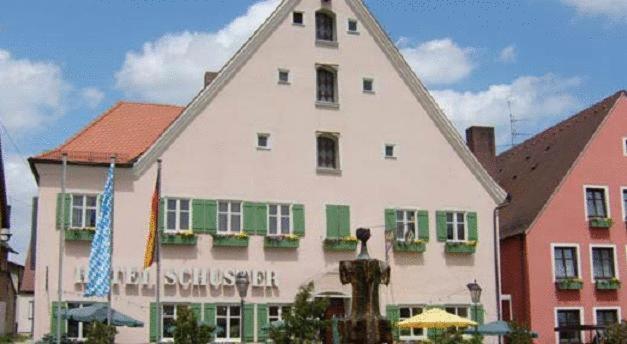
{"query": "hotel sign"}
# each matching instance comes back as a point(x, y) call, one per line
point(185, 277)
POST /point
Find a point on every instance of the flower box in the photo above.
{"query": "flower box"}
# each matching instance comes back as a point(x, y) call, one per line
point(340, 244)
point(418, 246)
point(607, 284)
point(239, 240)
point(83, 234)
point(600, 222)
point(178, 239)
point(569, 284)
point(280, 241)
point(464, 247)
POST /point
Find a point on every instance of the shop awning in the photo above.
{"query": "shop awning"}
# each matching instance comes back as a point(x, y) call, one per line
point(98, 312)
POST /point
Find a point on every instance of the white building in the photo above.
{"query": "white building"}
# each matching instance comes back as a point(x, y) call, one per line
point(316, 127)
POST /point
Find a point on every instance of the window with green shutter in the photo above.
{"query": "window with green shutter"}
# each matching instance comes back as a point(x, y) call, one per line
point(204, 216)
point(338, 221)
point(53, 318)
point(154, 320)
point(63, 210)
point(210, 314)
point(262, 322)
point(249, 322)
point(298, 213)
point(392, 312)
point(423, 225)
point(255, 218)
point(456, 226)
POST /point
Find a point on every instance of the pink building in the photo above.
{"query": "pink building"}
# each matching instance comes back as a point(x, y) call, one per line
point(564, 235)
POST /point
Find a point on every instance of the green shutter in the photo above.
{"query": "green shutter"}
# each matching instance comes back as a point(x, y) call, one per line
point(161, 213)
point(249, 218)
point(344, 220)
point(298, 214)
point(53, 319)
point(390, 219)
point(261, 215)
point(473, 235)
point(211, 211)
point(423, 225)
point(393, 314)
point(477, 314)
point(199, 216)
point(210, 314)
point(249, 323)
point(332, 222)
point(440, 217)
point(196, 309)
point(434, 333)
point(262, 322)
point(63, 212)
point(153, 322)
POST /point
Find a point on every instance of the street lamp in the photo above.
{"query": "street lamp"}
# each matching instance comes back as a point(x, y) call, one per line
point(242, 282)
point(475, 296)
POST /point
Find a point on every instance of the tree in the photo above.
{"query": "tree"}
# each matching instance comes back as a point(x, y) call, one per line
point(304, 322)
point(101, 333)
point(616, 334)
point(187, 329)
point(519, 334)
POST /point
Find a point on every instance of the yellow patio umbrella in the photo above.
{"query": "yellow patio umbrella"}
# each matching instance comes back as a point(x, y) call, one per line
point(435, 318)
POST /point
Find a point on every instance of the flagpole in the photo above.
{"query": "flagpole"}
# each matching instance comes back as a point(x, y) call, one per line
point(158, 253)
point(61, 248)
point(109, 309)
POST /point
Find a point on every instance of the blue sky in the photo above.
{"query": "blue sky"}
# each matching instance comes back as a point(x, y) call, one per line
point(63, 62)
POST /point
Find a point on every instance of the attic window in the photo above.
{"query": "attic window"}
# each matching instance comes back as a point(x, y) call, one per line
point(298, 18)
point(352, 26)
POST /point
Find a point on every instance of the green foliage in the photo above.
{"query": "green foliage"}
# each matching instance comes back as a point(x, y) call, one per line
point(616, 334)
point(305, 321)
point(452, 336)
point(101, 333)
point(188, 330)
point(520, 334)
point(51, 339)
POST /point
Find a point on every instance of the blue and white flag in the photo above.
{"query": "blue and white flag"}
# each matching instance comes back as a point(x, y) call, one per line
point(100, 257)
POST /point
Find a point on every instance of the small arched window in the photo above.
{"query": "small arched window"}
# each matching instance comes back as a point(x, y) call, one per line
point(326, 85)
point(325, 26)
point(327, 152)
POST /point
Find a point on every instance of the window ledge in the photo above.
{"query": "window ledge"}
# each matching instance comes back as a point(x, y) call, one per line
point(327, 105)
point(285, 83)
point(298, 24)
point(369, 92)
point(329, 171)
point(356, 33)
point(259, 148)
point(327, 44)
point(390, 158)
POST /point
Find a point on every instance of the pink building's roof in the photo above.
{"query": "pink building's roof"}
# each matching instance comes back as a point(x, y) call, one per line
point(541, 162)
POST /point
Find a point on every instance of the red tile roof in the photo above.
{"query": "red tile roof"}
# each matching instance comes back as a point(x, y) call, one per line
point(126, 130)
point(531, 171)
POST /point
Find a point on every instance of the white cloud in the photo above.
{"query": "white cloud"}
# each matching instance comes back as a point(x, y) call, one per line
point(171, 68)
point(439, 61)
point(92, 96)
point(21, 188)
point(508, 54)
point(536, 100)
point(614, 9)
point(32, 93)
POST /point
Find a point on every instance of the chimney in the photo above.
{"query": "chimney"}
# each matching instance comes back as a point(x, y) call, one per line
point(209, 77)
point(480, 140)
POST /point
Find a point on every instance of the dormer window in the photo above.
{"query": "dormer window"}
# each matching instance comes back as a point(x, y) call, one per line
point(298, 18)
point(326, 78)
point(325, 26)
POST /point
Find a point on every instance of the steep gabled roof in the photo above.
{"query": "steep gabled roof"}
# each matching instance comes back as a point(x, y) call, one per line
point(126, 131)
point(533, 170)
point(232, 67)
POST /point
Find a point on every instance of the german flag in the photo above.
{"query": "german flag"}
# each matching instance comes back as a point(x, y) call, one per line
point(152, 245)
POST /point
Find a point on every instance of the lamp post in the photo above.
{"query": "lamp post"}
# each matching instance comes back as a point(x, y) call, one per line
point(242, 282)
point(475, 296)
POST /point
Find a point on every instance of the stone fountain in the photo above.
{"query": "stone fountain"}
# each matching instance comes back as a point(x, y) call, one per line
point(365, 325)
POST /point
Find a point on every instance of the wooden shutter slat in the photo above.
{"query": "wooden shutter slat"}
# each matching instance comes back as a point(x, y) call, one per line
point(423, 225)
point(473, 234)
point(440, 217)
point(298, 213)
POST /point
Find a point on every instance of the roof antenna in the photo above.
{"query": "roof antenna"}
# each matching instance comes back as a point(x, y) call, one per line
point(512, 124)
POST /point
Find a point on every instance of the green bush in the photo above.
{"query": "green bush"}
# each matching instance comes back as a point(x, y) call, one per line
point(51, 339)
point(188, 330)
point(520, 334)
point(616, 334)
point(100, 333)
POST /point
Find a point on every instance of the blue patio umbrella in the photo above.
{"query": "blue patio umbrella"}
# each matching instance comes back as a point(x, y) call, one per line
point(98, 312)
point(495, 328)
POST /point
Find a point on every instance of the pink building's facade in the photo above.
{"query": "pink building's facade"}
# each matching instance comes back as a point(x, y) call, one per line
point(564, 235)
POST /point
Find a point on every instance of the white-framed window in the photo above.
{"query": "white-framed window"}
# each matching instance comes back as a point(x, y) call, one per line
point(228, 318)
point(168, 320)
point(326, 84)
point(353, 26)
point(624, 144)
point(84, 211)
point(603, 259)
point(177, 214)
point(276, 312)
point(565, 261)
point(263, 141)
point(279, 219)
point(328, 151)
point(368, 85)
point(456, 229)
point(407, 312)
point(389, 151)
point(624, 195)
point(461, 311)
point(405, 225)
point(298, 18)
point(597, 202)
point(325, 26)
point(284, 76)
point(31, 310)
point(568, 317)
point(77, 330)
point(229, 216)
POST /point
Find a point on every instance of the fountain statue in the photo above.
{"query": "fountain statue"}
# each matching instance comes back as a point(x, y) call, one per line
point(365, 325)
